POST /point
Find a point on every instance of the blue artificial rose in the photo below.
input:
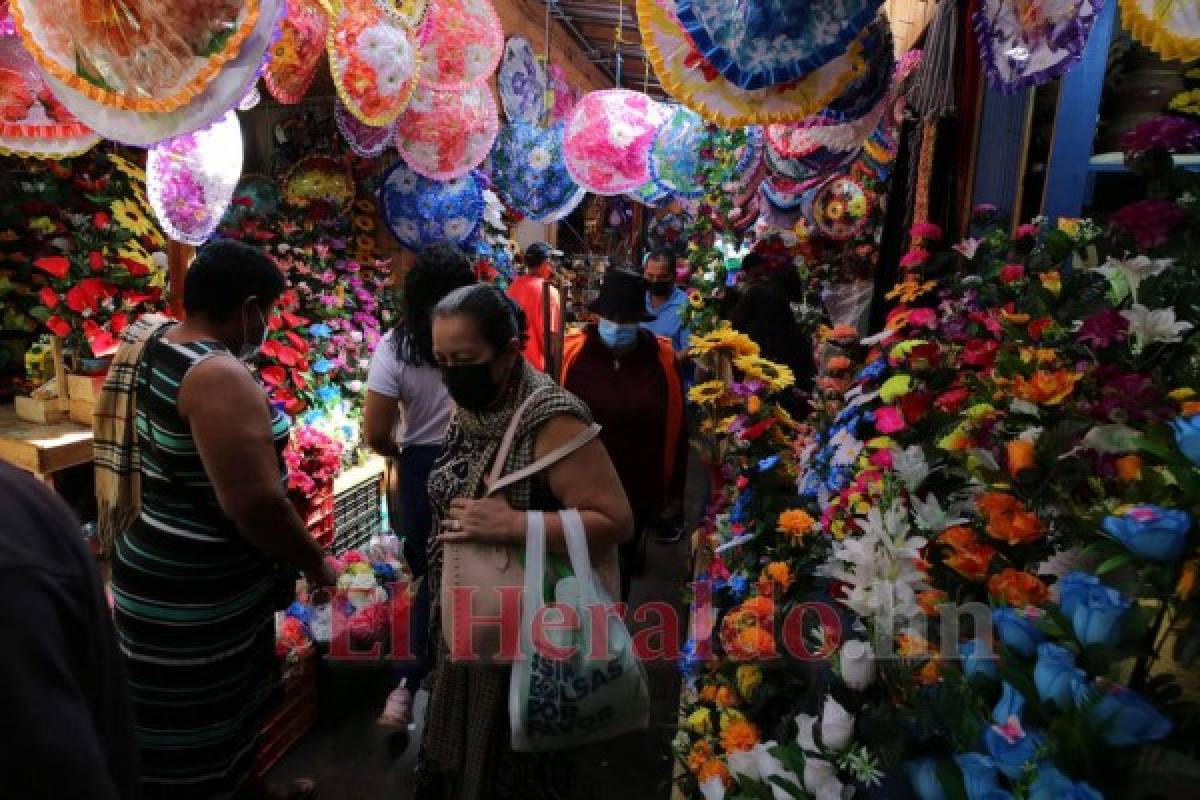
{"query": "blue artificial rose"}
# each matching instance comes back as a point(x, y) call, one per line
point(978, 658)
point(1151, 532)
point(1097, 620)
point(1011, 746)
point(1057, 678)
point(1050, 784)
point(1187, 437)
point(923, 775)
point(979, 775)
point(1072, 589)
point(1017, 630)
point(1126, 718)
point(1011, 704)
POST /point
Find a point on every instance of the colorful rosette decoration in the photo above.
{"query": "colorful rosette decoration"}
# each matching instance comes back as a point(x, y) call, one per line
point(652, 193)
point(817, 162)
point(529, 174)
point(320, 184)
point(420, 212)
point(463, 43)
point(608, 140)
point(365, 141)
point(565, 95)
point(675, 160)
point(792, 140)
point(137, 55)
point(190, 179)
point(445, 135)
point(229, 87)
point(295, 56)
point(685, 74)
point(840, 209)
point(1030, 43)
point(373, 58)
point(522, 82)
point(255, 196)
point(32, 121)
point(760, 43)
point(1170, 28)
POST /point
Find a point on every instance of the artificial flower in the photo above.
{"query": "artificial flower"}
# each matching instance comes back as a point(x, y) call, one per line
point(927, 231)
point(130, 216)
point(1018, 588)
point(1126, 718)
point(1130, 272)
point(1008, 520)
point(1012, 747)
point(1151, 532)
point(929, 600)
point(796, 523)
point(778, 573)
point(709, 393)
point(1129, 468)
point(1103, 328)
point(1149, 222)
point(910, 290)
point(967, 248)
point(971, 561)
point(1187, 436)
point(748, 678)
point(1173, 134)
point(58, 266)
point(1045, 387)
point(724, 340)
point(914, 257)
point(923, 777)
point(1057, 678)
point(978, 658)
point(1051, 281)
point(776, 377)
point(1020, 456)
point(739, 735)
point(856, 662)
point(1011, 273)
point(1153, 326)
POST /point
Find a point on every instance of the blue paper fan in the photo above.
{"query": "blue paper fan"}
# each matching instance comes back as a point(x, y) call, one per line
point(420, 212)
point(529, 173)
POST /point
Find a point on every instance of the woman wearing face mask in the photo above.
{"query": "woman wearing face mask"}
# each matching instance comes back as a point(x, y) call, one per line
point(197, 578)
point(478, 335)
point(628, 378)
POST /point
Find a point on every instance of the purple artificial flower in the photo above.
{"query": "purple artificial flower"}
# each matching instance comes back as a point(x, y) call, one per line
point(1103, 328)
point(1173, 134)
point(1149, 222)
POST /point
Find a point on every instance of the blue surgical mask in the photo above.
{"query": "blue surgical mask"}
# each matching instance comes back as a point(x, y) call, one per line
point(617, 337)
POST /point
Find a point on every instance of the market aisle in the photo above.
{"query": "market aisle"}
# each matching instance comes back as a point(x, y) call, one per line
point(352, 760)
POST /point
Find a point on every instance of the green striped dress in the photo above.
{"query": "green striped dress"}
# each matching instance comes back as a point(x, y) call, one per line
point(193, 603)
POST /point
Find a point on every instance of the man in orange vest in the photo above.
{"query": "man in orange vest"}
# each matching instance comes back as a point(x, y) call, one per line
point(539, 300)
point(627, 377)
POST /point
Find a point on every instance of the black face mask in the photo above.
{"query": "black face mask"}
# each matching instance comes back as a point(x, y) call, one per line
point(471, 386)
point(660, 288)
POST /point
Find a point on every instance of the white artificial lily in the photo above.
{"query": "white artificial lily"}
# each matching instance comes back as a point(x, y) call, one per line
point(857, 662)
point(879, 567)
point(770, 767)
point(713, 788)
point(910, 465)
point(1133, 270)
point(931, 517)
point(805, 724)
point(744, 763)
point(837, 724)
point(1150, 326)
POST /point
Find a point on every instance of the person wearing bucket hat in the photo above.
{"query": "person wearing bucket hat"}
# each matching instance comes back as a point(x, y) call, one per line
point(534, 292)
point(627, 377)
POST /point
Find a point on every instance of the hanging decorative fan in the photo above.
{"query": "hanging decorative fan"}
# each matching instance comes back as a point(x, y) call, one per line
point(297, 53)
point(522, 82)
point(529, 174)
point(786, 194)
point(190, 179)
point(862, 95)
point(34, 123)
point(229, 86)
point(445, 135)
point(850, 135)
point(410, 12)
point(420, 212)
point(366, 141)
point(462, 44)
point(675, 160)
point(760, 43)
point(817, 162)
point(1026, 43)
point(840, 209)
point(137, 55)
point(608, 140)
point(688, 78)
point(652, 193)
point(792, 140)
point(565, 95)
point(374, 61)
point(320, 184)
point(1170, 28)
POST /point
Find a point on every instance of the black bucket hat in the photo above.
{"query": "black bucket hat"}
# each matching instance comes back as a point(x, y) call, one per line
point(622, 296)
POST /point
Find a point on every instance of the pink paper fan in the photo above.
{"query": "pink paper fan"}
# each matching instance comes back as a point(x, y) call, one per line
point(444, 135)
point(191, 179)
point(565, 95)
point(28, 109)
point(298, 51)
point(608, 139)
point(463, 41)
point(373, 58)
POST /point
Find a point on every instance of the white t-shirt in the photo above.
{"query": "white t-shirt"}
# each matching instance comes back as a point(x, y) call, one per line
point(419, 390)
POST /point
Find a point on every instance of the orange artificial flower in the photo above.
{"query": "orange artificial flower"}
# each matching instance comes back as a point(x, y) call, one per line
point(1020, 456)
point(1013, 318)
point(778, 572)
point(912, 645)
point(1187, 579)
point(930, 599)
point(1129, 468)
point(726, 697)
point(753, 643)
point(739, 736)
point(708, 694)
point(930, 674)
point(753, 404)
point(971, 561)
point(839, 364)
point(1018, 588)
point(796, 523)
point(713, 768)
point(840, 333)
point(700, 753)
point(1008, 520)
point(1046, 388)
point(1190, 407)
point(958, 537)
point(1051, 282)
point(762, 608)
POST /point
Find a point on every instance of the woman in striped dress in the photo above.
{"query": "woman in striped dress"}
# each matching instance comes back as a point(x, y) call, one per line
point(197, 578)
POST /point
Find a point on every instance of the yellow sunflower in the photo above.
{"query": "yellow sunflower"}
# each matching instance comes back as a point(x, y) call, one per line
point(724, 340)
point(127, 168)
point(708, 394)
point(131, 217)
point(775, 377)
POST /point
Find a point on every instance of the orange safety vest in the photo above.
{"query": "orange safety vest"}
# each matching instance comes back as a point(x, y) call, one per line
point(573, 346)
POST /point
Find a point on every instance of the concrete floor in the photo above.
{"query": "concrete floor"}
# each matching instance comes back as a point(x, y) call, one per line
point(351, 759)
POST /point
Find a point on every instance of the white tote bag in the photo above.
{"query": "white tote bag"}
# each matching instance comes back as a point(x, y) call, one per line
point(599, 690)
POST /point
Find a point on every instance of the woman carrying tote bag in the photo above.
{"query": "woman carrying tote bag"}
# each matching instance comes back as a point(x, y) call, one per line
point(478, 336)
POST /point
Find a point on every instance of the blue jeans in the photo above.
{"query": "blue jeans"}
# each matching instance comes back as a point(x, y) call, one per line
point(415, 521)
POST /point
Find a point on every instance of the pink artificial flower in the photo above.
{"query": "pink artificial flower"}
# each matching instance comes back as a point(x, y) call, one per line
point(926, 231)
point(882, 458)
point(889, 420)
point(1027, 231)
point(915, 257)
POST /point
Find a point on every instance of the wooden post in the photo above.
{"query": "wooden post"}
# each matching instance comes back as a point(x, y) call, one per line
point(60, 374)
point(179, 256)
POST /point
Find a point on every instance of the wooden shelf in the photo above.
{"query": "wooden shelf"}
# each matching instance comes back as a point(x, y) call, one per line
point(1115, 162)
point(43, 449)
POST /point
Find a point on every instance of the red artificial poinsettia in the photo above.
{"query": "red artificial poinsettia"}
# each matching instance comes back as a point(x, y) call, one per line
point(273, 375)
point(59, 327)
point(49, 297)
point(100, 340)
point(58, 266)
point(96, 261)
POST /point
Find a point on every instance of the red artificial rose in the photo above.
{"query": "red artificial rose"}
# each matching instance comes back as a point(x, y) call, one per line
point(59, 327)
point(1011, 273)
point(923, 356)
point(96, 261)
point(58, 266)
point(915, 405)
point(293, 320)
point(270, 349)
point(118, 322)
point(1038, 326)
point(79, 300)
point(757, 430)
point(951, 400)
point(287, 356)
point(49, 297)
point(133, 299)
point(101, 220)
point(275, 323)
point(980, 353)
point(923, 318)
